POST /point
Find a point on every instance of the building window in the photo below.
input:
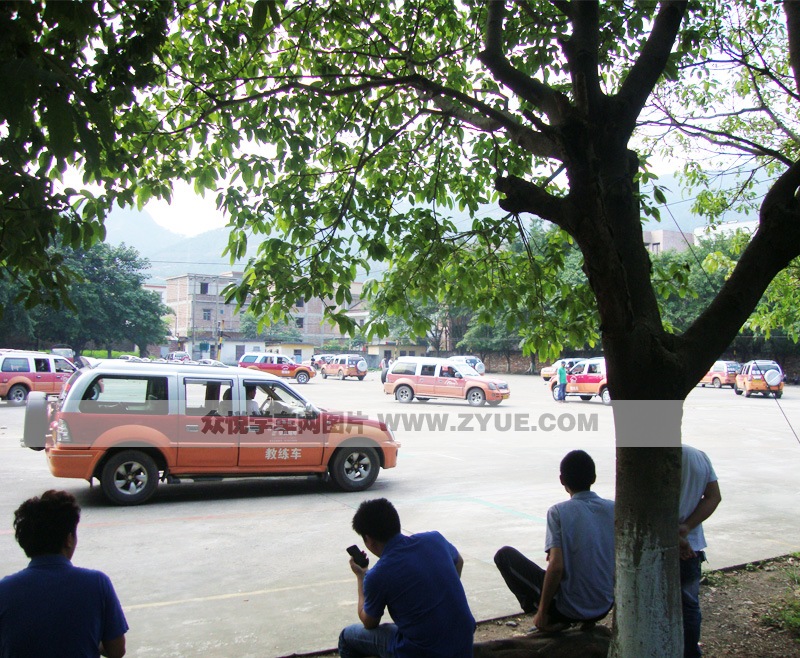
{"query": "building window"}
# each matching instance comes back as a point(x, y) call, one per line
point(206, 314)
point(300, 303)
point(203, 288)
point(299, 322)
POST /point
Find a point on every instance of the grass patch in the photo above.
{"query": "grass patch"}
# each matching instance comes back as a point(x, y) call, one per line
point(785, 612)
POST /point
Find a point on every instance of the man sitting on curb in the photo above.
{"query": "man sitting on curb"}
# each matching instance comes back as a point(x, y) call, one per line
point(418, 579)
point(578, 584)
point(53, 609)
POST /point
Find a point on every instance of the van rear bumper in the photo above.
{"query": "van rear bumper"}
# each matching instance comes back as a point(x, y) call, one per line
point(73, 462)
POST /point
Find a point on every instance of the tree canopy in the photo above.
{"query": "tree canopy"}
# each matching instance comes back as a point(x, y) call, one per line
point(107, 304)
point(345, 133)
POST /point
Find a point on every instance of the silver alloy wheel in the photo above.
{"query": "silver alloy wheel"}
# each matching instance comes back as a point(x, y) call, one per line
point(476, 397)
point(17, 394)
point(403, 394)
point(605, 396)
point(130, 478)
point(302, 378)
point(357, 466)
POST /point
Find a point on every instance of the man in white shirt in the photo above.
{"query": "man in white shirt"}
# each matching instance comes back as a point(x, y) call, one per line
point(700, 496)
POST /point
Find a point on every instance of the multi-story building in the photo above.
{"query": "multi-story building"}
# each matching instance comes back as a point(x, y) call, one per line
point(206, 326)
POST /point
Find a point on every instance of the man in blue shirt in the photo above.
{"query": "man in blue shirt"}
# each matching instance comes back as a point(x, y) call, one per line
point(578, 584)
point(52, 609)
point(417, 578)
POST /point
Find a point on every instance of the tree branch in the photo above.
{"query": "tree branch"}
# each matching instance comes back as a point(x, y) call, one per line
point(774, 245)
point(523, 196)
point(581, 51)
point(552, 103)
point(792, 11)
point(651, 62)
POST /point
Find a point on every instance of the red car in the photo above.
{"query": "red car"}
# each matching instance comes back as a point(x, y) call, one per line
point(278, 365)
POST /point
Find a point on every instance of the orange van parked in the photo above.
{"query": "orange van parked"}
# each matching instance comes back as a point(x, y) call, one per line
point(428, 377)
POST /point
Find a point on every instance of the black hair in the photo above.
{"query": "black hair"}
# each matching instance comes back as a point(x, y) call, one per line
point(378, 519)
point(42, 525)
point(577, 471)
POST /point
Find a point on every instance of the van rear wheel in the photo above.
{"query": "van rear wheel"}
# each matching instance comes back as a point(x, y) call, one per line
point(129, 477)
point(17, 394)
point(403, 393)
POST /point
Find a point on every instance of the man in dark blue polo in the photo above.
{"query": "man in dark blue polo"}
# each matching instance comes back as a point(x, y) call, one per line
point(52, 609)
point(418, 579)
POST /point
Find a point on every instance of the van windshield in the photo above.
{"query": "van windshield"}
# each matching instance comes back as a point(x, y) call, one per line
point(467, 370)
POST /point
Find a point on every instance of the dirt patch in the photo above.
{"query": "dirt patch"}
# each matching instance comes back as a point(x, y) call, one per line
point(738, 612)
point(736, 606)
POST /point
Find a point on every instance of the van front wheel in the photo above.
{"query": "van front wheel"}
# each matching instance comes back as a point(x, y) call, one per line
point(129, 477)
point(355, 469)
point(476, 397)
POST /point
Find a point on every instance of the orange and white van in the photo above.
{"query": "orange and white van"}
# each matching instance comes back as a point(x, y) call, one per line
point(722, 373)
point(22, 372)
point(765, 377)
point(586, 379)
point(429, 377)
point(131, 425)
point(278, 365)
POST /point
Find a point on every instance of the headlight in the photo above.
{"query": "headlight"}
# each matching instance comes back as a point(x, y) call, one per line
point(492, 386)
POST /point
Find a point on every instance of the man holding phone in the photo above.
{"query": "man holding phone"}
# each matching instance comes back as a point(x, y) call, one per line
point(418, 579)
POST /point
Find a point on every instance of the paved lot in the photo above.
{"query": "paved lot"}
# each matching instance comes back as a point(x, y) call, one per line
point(258, 567)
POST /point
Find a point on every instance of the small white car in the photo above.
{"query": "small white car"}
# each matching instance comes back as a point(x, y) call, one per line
point(473, 361)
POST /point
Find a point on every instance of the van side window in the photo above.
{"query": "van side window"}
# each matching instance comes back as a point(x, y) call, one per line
point(42, 365)
point(15, 364)
point(402, 368)
point(207, 397)
point(126, 395)
point(62, 365)
point(427, 370)
point(274, 401)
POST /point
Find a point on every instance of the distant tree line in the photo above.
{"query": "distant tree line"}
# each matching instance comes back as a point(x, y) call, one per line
point(106, 304)
point(686, 282)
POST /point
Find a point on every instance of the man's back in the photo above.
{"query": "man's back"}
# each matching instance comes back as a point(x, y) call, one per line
point(583, 528)
point(54, 609)
point(416, 579)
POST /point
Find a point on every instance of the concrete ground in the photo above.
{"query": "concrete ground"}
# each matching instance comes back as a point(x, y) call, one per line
point(258, 567)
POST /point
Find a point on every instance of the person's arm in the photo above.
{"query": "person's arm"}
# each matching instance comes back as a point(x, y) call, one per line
point(552, 581)
point(113, 648)
point(367, 620)
point(705, 508)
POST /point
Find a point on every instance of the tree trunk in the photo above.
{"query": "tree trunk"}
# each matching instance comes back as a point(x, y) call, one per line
point(647, 592)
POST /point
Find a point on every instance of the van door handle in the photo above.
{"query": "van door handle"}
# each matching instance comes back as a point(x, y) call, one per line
point(193, 428)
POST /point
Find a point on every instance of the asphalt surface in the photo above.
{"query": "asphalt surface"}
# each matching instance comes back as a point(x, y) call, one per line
point(258, 567)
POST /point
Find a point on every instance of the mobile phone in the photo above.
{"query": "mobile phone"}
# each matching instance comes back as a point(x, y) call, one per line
point(359, 556)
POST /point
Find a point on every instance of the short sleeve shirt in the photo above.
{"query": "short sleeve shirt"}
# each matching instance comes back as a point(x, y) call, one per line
point(53, 609)
point(696, 474)
point(416, 580)
point(583, 528)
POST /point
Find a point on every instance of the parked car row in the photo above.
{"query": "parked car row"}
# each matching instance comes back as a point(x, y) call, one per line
point(586, 378)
